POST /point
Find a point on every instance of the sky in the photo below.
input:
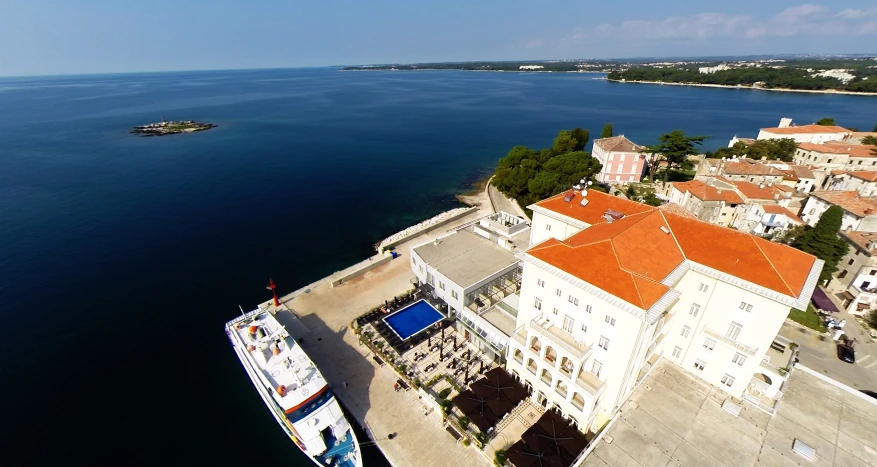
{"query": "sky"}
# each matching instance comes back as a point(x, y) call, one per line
point(47, 37)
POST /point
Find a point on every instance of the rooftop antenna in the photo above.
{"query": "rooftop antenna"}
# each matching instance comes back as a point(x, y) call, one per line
point(242, 310)
point(273, 288)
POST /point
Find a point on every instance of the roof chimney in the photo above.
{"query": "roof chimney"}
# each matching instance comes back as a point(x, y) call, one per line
point(569, 195)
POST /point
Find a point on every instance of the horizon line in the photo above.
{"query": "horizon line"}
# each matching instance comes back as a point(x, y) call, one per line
point(682, 57)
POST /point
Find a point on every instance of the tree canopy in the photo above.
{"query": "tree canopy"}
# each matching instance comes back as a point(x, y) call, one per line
point(875, 128)
point(826, 121)
point(529, 175)
point(607, 131)
point(675, 147)
point(772, 149)
point(823, 242)
point(870, 140)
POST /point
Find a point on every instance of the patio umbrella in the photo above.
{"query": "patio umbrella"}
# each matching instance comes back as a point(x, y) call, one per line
point(482, 421)
point(443, 333)
point(499, 407)
point(468, 402)
point(523, 455)
point(572, 441)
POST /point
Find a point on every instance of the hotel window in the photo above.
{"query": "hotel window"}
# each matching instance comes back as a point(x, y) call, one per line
point(573, 300)
point(540, 282)
point(554, 311)
point(745, 306)
point(596, 368)
point(677, 351)
point(739, 359)
point(851, 262)
point(454, 294)
point(610, 320)
point(441, 285)
point(421, 269)
point(844, 274)
point(604, 343)
point(727, 380)
point(558, 292)
point(548, 227)
point(588, 308)
point(873, 271)
point(537, 303)
point(568, 323)
point(699, 364)
point(584, 328)
point(709, 344)
point(685, 331)
point(694, 310)
point(704, 288)
point(734, 331)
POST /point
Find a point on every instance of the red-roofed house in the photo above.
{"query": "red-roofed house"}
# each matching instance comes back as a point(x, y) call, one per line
point(860, 212)
point(621, 159)
point(864, 182)
point(766, 220)
point(632, 284)
point(804, 133)
point(713, 202)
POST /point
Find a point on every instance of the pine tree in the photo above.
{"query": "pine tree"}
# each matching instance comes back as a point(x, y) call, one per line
point(823, 242)
point(607, 131)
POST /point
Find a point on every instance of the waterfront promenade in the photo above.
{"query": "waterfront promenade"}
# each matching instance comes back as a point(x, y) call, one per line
point(365, 388)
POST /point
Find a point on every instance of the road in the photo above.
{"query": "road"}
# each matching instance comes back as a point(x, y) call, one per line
point(821, 355)
point(502, 203)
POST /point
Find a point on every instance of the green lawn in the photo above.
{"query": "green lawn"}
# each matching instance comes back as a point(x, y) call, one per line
point(807, 318)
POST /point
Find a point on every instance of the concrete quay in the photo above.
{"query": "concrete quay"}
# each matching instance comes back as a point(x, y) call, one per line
point(365, 388)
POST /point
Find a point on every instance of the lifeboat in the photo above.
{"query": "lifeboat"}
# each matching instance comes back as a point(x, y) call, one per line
point(281, 390)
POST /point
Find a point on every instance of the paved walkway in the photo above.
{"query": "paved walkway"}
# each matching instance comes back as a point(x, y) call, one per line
point(502, 203)
point(675, 420)
point(368, 393)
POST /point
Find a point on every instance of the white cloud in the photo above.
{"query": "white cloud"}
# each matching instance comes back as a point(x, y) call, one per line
point(803, 20)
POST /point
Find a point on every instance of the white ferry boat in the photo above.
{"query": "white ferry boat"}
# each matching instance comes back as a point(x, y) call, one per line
point(293, 389)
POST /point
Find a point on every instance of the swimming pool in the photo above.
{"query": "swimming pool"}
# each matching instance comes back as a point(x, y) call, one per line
point(413, 318)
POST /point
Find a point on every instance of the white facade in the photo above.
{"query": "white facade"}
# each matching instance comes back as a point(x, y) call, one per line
point(815, 207)
point(544, 227)
point(804, 136)
point(584, 350)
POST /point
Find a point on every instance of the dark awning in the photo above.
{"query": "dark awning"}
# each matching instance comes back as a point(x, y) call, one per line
point(822, 302)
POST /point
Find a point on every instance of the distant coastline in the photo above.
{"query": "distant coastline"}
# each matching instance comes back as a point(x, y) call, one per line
point(752, 88)
point(463, 69)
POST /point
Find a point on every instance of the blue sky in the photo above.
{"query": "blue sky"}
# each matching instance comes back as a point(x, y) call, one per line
point(94, 36)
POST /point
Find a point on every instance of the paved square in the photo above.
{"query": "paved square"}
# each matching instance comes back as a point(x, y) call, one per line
point(676, 420)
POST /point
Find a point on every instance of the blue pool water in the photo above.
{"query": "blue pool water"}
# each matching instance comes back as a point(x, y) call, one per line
point(412, 319)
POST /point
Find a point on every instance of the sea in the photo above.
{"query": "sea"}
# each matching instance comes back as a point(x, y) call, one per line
point(121, 257)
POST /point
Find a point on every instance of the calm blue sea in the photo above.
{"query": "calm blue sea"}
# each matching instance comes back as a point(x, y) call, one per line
point(121, 257)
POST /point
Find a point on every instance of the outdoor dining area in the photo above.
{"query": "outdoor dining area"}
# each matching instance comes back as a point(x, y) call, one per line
point(551, 442)
point(490, 399)
point(446, 352)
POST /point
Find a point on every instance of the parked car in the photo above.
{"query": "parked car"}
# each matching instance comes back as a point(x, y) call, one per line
point(846, 353)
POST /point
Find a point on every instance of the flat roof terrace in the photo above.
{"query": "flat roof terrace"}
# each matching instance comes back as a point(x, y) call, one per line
point(674, 419)
point(465, 257)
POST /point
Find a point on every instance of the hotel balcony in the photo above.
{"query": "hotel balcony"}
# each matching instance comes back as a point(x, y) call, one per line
point(589, 382)
point(559, 338)
point(722, 339)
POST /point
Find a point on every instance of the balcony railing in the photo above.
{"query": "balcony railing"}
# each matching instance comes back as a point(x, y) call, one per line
point(546, 379)
point(578, 404)
point(532, 369)
point(562, 339)
point(751, 350)
point(561, 390)
point(589, 382)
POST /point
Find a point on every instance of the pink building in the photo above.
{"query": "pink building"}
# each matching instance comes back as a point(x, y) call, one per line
point(621, 159)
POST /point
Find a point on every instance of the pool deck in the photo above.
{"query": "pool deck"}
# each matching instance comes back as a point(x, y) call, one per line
point(365, 388)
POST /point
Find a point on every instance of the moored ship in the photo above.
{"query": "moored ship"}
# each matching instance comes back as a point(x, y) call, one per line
point(294, 390)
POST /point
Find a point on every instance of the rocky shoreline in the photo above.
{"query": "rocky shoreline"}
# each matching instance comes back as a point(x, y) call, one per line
point(753, 88)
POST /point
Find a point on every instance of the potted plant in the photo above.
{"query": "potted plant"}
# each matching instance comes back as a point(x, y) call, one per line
point(464, 422)
point(499, 457)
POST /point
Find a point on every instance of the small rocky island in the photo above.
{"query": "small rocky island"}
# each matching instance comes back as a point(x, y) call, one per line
point(171, 128)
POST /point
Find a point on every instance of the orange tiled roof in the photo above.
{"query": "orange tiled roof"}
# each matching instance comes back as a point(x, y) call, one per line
point(811, 129)
point(777, 209)
point(862, 239)
point(854, 150)
point(750, 168)
point(674, 208)
point(597, 206)
point(630, 257)
point(801, 171)
point(790, 175)
point(850, 201)
point(705, 192)
point(864, 175)
point(753, 191)
point(617, 144)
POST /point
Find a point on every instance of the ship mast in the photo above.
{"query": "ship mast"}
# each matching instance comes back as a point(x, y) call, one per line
point(273, 287)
